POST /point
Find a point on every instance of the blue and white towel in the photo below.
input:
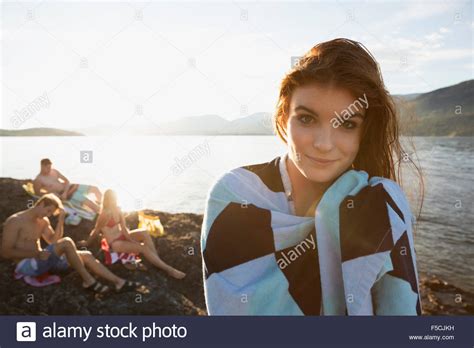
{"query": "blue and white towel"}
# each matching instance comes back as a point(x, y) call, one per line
point(354, 257)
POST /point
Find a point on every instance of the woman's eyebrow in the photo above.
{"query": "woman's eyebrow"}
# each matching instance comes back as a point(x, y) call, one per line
point(357, 114)
point(304, 108)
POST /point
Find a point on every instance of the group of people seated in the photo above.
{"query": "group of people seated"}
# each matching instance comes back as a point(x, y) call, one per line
point(22, 233)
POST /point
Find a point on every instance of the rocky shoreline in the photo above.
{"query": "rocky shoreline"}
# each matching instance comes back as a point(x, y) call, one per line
point(160, 294)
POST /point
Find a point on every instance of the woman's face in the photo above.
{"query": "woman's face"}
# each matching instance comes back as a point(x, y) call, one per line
point(324, 130)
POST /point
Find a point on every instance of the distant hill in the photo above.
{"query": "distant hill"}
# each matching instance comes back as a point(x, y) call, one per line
point(406, 97)
point(38, 132)
point(256, 124)
point(204, 124)
point(445, 111)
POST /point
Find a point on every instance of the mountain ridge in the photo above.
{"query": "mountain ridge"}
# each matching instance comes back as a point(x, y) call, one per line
point(447, 111)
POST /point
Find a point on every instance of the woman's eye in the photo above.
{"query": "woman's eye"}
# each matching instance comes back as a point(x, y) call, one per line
point(349, 125)
point(305, 119)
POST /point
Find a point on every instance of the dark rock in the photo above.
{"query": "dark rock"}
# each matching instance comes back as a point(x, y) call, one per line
point(160, 294)
point(442, 298)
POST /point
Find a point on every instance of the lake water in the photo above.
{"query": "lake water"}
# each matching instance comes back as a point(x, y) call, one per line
point(174, 174)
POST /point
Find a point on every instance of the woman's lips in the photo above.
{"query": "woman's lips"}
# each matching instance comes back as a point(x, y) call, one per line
point(320, 161)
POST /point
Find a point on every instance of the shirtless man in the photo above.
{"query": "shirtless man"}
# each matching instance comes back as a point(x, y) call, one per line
point(21, 242)
point(50, 180)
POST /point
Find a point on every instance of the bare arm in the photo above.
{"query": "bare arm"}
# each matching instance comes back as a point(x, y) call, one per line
point(67, 184)
point(96, 231)
point(62, 177)
point(52, 236)
point(9, 238)
point(37, 186)
point(124, 229)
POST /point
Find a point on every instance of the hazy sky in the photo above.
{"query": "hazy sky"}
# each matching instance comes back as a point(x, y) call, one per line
point(79, 65)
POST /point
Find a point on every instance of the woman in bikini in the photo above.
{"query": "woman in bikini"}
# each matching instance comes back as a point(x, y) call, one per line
point(111, 223)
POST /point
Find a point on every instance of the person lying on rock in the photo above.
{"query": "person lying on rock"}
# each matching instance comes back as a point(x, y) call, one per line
point(111, 223)
point(21, 242)
point(50, 180)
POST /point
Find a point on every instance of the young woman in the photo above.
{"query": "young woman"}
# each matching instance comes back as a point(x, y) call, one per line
point(324, 229)
point(111, 223)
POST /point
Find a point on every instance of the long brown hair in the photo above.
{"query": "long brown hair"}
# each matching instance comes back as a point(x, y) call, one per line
point(109, 202)
point(348, 64)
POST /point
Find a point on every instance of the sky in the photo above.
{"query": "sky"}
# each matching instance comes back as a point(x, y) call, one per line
point(77, 65)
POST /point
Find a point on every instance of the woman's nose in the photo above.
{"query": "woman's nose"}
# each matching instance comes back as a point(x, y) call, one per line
point(323, 138)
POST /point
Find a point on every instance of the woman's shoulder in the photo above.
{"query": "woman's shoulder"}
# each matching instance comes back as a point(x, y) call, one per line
point(110, 213)
point(372, 203)
point(393, 194)
point(265, 172)
point(357, 184)
point(362, 178)
point(392, 187)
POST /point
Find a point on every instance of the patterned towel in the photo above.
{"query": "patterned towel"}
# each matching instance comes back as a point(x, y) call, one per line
point(40, 281)
point(77, 210)
point(111, 256)
point(354, 257)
